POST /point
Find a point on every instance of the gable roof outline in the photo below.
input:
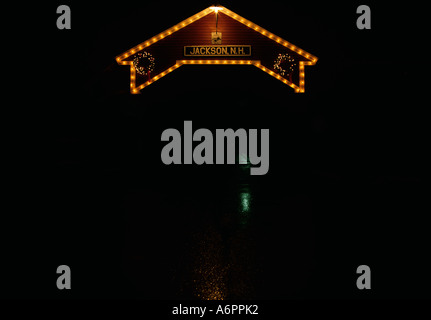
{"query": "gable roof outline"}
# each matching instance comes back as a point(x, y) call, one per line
point(310, 59)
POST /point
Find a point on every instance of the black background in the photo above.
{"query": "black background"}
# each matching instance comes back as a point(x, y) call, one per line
point(350, 150)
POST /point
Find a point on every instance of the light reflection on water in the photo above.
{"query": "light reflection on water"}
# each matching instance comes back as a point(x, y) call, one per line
point(210, 270)
point(222, 255)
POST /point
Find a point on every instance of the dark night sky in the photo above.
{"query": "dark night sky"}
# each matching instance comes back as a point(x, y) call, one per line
point(352, 146)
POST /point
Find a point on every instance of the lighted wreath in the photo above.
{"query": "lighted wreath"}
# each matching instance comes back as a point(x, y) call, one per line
point(144, 63)
point(285, 64)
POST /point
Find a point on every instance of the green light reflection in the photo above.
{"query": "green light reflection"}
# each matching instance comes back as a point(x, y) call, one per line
point(245, 201)
point(244, 205)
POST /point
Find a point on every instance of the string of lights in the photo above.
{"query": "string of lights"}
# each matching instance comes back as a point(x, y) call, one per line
point(255, 63)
